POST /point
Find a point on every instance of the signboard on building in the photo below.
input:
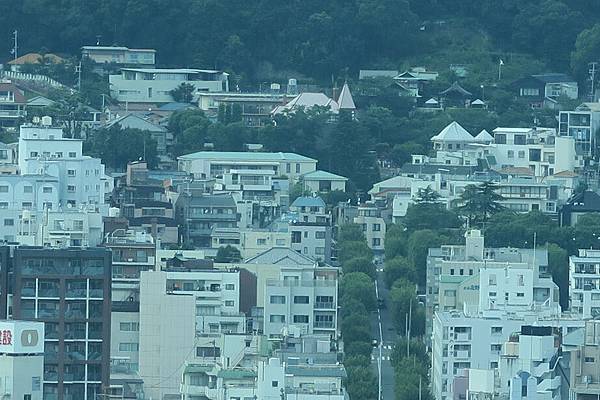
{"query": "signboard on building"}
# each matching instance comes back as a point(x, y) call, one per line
point(21, 337)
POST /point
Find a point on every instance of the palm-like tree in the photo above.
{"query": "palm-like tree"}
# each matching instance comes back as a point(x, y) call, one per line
point(480, 202)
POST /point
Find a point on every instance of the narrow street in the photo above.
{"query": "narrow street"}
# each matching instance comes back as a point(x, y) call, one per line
point(383, 330)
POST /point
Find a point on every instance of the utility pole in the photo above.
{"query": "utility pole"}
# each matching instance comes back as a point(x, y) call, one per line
point(78, 72)
point(592, 71)
point(15, 49)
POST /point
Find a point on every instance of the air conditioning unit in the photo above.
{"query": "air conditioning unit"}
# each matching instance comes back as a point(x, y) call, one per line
point(586, 379)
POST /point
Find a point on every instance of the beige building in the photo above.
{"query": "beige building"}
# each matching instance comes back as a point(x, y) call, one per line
point(369, 217)
point(585, 365)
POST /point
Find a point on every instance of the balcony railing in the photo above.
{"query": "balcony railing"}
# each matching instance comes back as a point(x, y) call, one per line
point(325, 305)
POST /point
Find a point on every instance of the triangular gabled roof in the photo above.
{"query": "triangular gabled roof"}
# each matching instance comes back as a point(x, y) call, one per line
point(39, 101)
point(282, 256)
point(484, 137)
point(478, 102)
point(345, 101)
point(135, 122)
point(456, 88)
point(432, 101)
point(453, 133)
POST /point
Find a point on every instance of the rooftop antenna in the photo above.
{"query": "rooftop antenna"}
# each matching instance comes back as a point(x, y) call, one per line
point(15, 49)
point(592, 71)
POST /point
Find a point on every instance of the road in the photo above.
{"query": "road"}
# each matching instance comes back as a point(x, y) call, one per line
point(383, 329)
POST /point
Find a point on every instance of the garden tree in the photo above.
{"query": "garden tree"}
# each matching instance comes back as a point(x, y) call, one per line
point(397, 268)
point(358, 348)
point(116, 147)
point(351, 233)
point(184, 93)
point(228, 137)
point(229, 113)
point(558, 266)
point(356, 361)
point(228, 254)
point(587, 49)
point(350, 307)
point(410, 377)
point(404, 303)
point(419, 243)
point(429, 213)
point(297, 190)
point(334, 197)
point(360, 264)
point(190, 130)
point(67, 110)
point(418, 351)
point(402, 153)
point(357, 285)
point(480, 202)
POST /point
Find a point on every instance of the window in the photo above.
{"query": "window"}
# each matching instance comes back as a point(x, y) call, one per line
point(26, 205)
point(129, 326)
point(492, 294)
point(71, 172)
point(530, 92)
point(376, 242)
point(520, 139)
point(376, 227)
point(71, 188)
point(492, 280)
point(451, 271)
point(521, 154)
point(72, 154)
point(129, 346)
point(3, 204)
point(520, 294)
point(27, 189)
point(496, 330)
point(297, 168)
point(493, 364)
point(301, 319)
point(277, 318)
point(296, 237)
point(9, 222)
point(301, 300)
point(510, 154)
point(500, 138)
point(277, 300)
point(229, 303)
point(59, 154)
point(319, 251)
point(288, 168)
point(33, 154)
point(589, 359)
point(274, 383)
point(3, 154)
point(229, 286)
point(261, 242)
point(495, 348)
point(47, 189)
point(211, 352)
point(319, 235)
point(4, 189)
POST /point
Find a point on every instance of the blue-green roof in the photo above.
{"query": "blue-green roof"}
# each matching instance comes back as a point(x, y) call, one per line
point(236, 374)
point(244, 156)
point(324, 175)
point(196, 368)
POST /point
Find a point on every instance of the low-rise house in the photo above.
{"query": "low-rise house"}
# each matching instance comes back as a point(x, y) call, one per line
point(323, 182)
point(119, 56)
point(12, 105)
point(310, 228)
point(254, 108)
point(586, 202)
point(34, 59)
point(581, 124)
point(154, 85)
point(199, 215)
point(455, 96)
point(542, 90)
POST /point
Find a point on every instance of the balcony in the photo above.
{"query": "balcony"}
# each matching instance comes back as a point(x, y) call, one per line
point(324, 324)
point(325, 305)
point(462, 337)
point(193, 390)
point(462, 354)
point(11, 114)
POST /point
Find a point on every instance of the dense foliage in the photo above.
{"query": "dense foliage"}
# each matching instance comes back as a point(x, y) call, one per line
point(266, 39)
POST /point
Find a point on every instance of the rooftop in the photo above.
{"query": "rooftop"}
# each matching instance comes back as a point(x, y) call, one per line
point(324, 175)
point(244, 156)
point(454, 132)
point(307, 201)
point(282, 256)
point(173, 71)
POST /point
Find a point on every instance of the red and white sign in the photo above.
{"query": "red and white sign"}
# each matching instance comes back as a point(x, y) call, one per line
point(21, 337)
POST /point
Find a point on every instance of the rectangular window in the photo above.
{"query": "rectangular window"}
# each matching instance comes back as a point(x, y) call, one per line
point(496, 330)
point(277, 318)
point(129, 346)
point(9, 222)
point(261, 242)
point(71, 172)
point(301, 319)
point(301, 300)
point(72, 154)
point(376, 242)
point(71, 188)
point(4, 189)
point(26, 205)
point(229, 286)
point(27, 189)
point(288, 168)
point(47, 189)
point(510, 154)
point(319, 235)
point(376, 227)
point(520, 294)
point(277, 300)
point(229, 303)
point(297, 168)
point(496, 348)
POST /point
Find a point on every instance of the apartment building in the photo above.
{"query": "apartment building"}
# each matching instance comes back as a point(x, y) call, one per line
point(212, 164)
point(323, 182)
point(584, 283)
point(585, 364)
point(188, 309)
point(310, 228)
point(251, 241)
point(455, 273)
point(69, 291)
point(22, 359)
point(154, 85)
point(44, 151)
point(12, 105)
point(374, 228)
point(199, 215)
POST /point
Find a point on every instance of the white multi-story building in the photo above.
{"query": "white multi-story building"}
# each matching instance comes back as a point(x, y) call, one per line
point(21, 360)
point(213, 164)
point(310, 228)
point(508, 300)
point(581, 125)
point(177, 307)
point(154, 85)
point(584, 283)
point(44, 151)
point(120, 55)
point(373, 225)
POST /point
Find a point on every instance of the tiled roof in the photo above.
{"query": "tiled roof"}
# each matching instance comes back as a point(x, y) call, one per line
point(244, 156)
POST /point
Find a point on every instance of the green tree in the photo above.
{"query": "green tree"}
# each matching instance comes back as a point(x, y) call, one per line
point(360, 264)
point(429, 213)
point(116, 147)
point(184, 93)
point(480, 202)
point(359, 286)
point(361, 383)
point(397, 268)
point(356, 328)
point(418, 247)
point(350, 250)
point(587, 48)
point(228, 254)
point(351, 233)
point(558, 266)
point(404, 304)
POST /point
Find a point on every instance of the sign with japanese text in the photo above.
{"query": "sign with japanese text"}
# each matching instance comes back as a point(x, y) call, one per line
point(21, 337)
